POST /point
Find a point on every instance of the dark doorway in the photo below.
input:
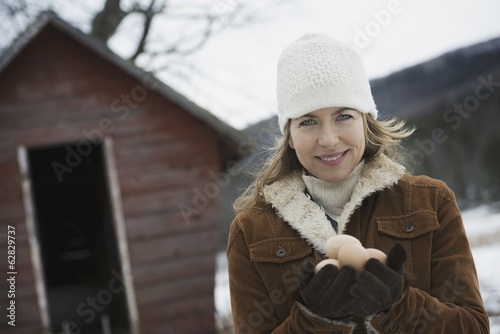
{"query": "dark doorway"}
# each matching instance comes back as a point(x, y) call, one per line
point(83, 281)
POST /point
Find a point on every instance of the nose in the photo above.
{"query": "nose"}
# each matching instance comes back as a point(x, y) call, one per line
point(328, 137)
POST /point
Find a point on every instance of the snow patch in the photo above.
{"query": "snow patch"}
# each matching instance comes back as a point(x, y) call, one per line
point(482, 225)
point(222, 297)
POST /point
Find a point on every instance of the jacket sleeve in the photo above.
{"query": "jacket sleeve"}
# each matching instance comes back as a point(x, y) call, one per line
point(254, 303)
point(453, 304)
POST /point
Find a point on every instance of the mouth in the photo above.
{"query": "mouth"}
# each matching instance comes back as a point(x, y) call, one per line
point(332, 159)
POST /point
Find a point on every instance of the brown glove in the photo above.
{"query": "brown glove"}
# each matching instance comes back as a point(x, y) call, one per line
point(327, 292)
point(378, 286)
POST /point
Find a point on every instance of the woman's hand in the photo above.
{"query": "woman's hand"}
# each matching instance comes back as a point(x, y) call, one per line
point(337, 293)
point(327, 292)
point(378, 286)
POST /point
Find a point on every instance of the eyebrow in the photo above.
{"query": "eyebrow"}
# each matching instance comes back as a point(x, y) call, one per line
point(309, 115)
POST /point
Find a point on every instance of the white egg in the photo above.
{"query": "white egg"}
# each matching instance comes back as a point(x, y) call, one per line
point(354, 255)
point(377, 254)
point(333, 244)
point(324, 263)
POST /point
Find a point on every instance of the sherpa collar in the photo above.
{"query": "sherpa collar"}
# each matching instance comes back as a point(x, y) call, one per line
point(288, 198)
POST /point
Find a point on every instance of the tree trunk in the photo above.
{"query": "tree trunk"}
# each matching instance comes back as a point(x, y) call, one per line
point(106, 22)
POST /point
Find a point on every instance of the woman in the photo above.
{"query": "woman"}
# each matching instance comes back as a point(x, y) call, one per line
point(335, 171)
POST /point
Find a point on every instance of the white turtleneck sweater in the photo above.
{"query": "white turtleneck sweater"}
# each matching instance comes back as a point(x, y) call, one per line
point(333, 196)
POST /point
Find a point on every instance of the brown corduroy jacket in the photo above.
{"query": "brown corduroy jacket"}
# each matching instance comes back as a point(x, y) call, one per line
point(269, 243)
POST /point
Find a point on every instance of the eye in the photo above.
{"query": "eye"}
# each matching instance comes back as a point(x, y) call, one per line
point(344, 117)
point(307, 122)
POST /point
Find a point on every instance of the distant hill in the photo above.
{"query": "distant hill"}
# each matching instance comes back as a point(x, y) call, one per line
point(403, 93)
point(454, 102)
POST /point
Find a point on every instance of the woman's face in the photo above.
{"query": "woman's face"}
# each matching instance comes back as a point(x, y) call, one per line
point(329, 142)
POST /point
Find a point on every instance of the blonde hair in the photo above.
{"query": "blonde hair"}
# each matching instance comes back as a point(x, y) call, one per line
point(381, 137)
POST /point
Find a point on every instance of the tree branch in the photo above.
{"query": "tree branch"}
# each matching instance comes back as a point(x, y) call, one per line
point(214, 24)
point(148, 19)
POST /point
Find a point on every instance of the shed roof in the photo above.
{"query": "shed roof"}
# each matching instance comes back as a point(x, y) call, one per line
point(235, 143)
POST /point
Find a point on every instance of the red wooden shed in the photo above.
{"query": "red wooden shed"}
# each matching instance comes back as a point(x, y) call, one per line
point(108, 186)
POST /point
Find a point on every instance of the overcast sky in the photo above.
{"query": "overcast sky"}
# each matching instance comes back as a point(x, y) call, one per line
point(236, 81)
point(390, 35)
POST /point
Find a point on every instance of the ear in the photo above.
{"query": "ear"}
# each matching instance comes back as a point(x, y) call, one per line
point(290, 143)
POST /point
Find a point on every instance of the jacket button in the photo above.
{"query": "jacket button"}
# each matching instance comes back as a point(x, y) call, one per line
point(281, 252)
point(384, 321)
point(409, 228)
point(393, 328)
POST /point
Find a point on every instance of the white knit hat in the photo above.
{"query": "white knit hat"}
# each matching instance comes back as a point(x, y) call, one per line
point(316, 72)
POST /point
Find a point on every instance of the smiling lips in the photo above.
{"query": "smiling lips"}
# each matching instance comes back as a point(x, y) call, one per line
point(332, 159)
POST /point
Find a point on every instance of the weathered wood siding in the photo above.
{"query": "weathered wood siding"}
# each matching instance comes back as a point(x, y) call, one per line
point(57, 91)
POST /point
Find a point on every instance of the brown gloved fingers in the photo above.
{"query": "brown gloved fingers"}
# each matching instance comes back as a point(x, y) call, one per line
point(318, 284)
point(306, 273)
point(362, 308)
point(327, 292)
point(369, 295)
point(367, 285)
point(396, 257)
point(378, 286)
point(338, 289)
point(393, 280)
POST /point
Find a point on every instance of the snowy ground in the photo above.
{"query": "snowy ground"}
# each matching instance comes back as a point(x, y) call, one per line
point(483, 229)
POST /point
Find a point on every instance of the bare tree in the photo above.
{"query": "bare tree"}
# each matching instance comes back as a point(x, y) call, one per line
point(202, 19)
point(210, 17)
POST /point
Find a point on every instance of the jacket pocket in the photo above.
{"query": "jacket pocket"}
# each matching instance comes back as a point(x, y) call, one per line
point(279, 261)
point(415, 231)
point(408, 226)
point(279, 250)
